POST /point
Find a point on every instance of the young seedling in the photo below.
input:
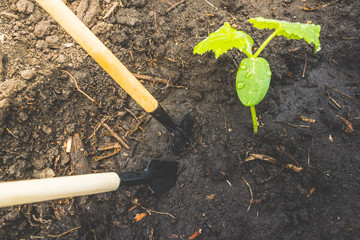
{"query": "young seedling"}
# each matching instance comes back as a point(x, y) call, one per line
point(254, 74)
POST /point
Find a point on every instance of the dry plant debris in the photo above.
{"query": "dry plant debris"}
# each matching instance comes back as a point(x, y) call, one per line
point(273, 161)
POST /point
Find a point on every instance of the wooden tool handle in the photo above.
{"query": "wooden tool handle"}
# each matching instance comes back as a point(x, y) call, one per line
point(38, 190)
point(102, 55)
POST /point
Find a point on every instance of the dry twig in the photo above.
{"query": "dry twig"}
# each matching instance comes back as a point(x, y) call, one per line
point(335, 102)
point(210, 3)
point(111, 10)
point(293, 125)
point(116, 136)
point(357, 102)
point(109, 146)
point(98, 158)
point(303, 74)
point(174, 6)
point(133, 114)
point(307, 8)
point(272, 160)
point(261, 157)
point(151, 79)
point(137, 126)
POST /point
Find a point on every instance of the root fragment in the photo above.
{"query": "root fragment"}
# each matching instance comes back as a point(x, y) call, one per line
point(64, 233)
point(78, 88)
point(251, 194)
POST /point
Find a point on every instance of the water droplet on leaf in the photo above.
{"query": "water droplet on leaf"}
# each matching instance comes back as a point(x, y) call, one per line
point(249, 74)
point(268, 73)
point(242, 66)
point(240, 85)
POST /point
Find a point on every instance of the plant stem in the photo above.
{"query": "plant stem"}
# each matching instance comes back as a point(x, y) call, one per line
point(254, 119)
point(266, 42)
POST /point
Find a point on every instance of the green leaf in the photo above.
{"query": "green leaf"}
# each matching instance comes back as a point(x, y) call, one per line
point(253, 80)
point(225, 39)
point(309, 32)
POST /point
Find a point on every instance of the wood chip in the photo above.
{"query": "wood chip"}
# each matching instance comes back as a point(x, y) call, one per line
point(109, 146)
point(140, 216)
point(312, 190)
point(68, 144)
point(210, 197)
point(348, 126)
point(306, 119)
point(195, 234)
point(294, 168)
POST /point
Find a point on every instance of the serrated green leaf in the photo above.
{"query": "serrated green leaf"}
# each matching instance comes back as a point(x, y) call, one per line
point(253, 80)
point(225, 39)
point(309, 32)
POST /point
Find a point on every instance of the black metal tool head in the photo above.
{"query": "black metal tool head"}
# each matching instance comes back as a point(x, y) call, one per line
point(159, 175)
point(182, 135)
point(182, 132)
point(162, 175)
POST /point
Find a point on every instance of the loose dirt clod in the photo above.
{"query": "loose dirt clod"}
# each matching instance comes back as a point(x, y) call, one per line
point(25, 6)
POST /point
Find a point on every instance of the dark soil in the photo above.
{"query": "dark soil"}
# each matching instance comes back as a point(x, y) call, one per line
point(40, 108)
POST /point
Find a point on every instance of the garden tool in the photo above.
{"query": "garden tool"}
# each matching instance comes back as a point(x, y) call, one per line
point(160, 176)
point(106, 59)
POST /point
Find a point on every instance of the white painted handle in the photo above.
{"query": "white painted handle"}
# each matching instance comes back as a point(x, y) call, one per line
point(38, 190)
point(101, 54)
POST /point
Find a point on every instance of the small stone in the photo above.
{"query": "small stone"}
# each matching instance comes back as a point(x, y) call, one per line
point(135, 3)
point(4, 110)
point(45, 173)
point(2, 65)
point(61, 59)
point(70, 128)
point(23, 116)
point(160, 51)
point(41, 44)
point(52, 39)
point(67, 45)
point(46, 129)
point(16, 168)
point(140, 41)
point(38, 163)
point(12, 215)
point(42, 29)
point(64, 160)
point(66, 93)
point(28, 74)
point(25, 6)
point(196, 95)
